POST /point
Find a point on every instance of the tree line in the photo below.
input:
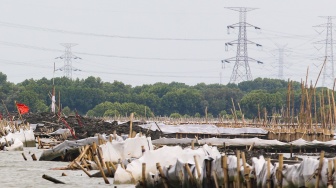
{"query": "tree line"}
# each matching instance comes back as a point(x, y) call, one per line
point(93, 97)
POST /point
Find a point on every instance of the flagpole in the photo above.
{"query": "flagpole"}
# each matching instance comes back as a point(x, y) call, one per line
point(19, 112)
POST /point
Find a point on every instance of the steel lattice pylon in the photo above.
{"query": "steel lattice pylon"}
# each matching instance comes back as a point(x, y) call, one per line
point(67, 58)
point(241, 70)
point(328, 70)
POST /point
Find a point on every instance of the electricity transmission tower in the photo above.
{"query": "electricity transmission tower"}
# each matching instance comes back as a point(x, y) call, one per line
point(328, 70)
point(67, 58)
point(281, 53)
point(241, 70)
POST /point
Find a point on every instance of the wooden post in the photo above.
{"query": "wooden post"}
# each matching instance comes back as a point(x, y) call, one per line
point(131, 122)
point(144, 183)
point(24, 157)
point(279, 171)
point(268, 175)
point(84, 170)
point(192, 144)
point(52, 179)
point(163, 177)
point(225, 170)
point(319, 169)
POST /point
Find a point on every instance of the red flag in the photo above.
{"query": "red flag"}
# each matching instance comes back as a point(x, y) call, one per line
point(23, 109)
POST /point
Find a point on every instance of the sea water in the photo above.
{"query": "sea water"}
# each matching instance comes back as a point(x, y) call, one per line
point(16, 172)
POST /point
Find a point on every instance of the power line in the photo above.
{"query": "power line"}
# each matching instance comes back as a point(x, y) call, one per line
point(105, 35)
point(106, 55)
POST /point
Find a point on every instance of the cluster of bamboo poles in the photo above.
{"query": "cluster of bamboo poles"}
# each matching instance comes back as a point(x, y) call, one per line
point(94, 153)
point(11, 126)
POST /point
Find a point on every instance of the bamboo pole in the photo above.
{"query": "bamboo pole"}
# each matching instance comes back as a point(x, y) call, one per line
point(144, 182)
point(163, 177)
point(24, 157)
point(192, 179)
point(317, 182)
point(279, 171)
point(330, 173)
point(84, 170)
point(246, 171)
point(108, 169)
point(234, 111)
point(206, 114)
point(238, 169)
point(215, 179)
point(131, 122)
point(225, 170)
point(197, 167)
point(101, 169)
point(49, 178)
point(33, 157)
point(268, 173)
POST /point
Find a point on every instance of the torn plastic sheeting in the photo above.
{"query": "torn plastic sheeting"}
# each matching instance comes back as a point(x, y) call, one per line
point(130, 148)
point(220, 141)
point(60, 149)
point(166, 156)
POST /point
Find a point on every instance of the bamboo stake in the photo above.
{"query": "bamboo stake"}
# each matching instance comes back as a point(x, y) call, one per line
point(317, 183)
point(225, 170)
point(238, 169)
point(144, 182)
point(330, 173)
point(268, 180)
point(113, 166)
point(24, 157)
point(246, 171)
point(52, 179)
point(84, 170)
point(206, 114)
point(101, 169)
point(33, 157)
point(234, 111)
point(215, 179)
point(163, 177)
point(186, 166)
point(279, 171)
point(197, 167)
point(108, 169)
point(131, 122)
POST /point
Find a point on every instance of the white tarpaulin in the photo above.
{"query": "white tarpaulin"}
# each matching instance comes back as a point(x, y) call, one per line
point(202, 129)
point(130, 148)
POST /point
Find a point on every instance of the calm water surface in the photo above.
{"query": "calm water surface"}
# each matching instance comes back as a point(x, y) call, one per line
point(16, 172)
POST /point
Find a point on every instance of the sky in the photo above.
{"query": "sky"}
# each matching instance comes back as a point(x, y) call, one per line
point(149, 41)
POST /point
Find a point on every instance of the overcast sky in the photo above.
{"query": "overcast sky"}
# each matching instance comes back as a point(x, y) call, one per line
point(149, 41)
